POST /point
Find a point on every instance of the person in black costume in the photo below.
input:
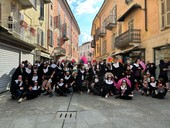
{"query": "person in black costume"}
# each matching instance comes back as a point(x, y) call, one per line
point(163, 70)
point(17, 88)
point(118, 69)
point(125, 91)
point(67, 82)
point(47, 79)
point(31, 93)
point(80, 78)
point(137, 70)
point(19, 71)
point(109, 86)
point(160, 91)
point(61, 88)
point(96, 86)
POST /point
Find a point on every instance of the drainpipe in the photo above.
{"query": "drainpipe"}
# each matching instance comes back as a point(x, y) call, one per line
point(146, 17)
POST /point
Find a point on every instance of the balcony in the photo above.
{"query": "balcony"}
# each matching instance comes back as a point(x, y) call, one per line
point(110, 22)
point(47, 1)
point(18, 29)
point(128, 38)
point(64, 32)
point(93, 43)
point(101, 32)
point(59, 51)
point(27, 3)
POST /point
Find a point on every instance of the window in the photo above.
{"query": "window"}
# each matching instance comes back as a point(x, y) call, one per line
point(51, 21)
point(51, 38)
point(113, 42)
point(51, 6)
point(113, 13)
point(41, 9)
point(98, 48)
point(165, 13)
point(120, 29)
point(104, 47)
point(131, 24)
point(40, 37)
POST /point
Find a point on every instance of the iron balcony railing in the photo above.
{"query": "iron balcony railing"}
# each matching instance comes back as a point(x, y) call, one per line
point(101, 32)
point(130, 36)
point(110, 22)
point(13, 23)
point(59, 51)
point(64, 32)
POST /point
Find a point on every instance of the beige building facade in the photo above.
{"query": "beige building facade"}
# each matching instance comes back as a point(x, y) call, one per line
point(28, 31)
point(85, 50)
point(140, 30)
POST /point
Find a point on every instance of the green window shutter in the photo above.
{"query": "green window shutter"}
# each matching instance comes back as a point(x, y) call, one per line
point(168, 13)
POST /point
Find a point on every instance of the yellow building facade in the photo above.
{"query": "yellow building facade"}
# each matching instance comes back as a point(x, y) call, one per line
point(141, 30)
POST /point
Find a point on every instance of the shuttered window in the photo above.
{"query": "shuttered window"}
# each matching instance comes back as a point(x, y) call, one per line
point(113, 42)
point(104, 47)
point(168, 12)
point(131, 24)
point(165, 13)
point(40, 37)
point(51, 38)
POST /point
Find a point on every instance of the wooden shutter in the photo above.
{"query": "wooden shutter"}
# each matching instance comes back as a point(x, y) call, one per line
point(58, 21)
point(168, 13)
point(163, 14)
point(48, 37)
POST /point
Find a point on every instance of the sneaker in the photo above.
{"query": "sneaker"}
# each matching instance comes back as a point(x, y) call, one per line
point(130, 95)
point(106, 96)
point(65, 95)
point(51, 94)
point(20, 100)
point(46, 93)
point(88, 91)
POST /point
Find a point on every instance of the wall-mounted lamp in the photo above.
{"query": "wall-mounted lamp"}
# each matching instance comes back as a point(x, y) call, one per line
point(41, 20)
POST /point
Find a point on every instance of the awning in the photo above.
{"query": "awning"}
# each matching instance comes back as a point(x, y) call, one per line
point(43, 54)
point(126, 50)
point(134, 6)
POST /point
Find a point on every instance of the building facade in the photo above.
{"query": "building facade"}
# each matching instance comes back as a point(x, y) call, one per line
point(65, 31)
point(134, 29)
point(28, 31)
point(85, 50)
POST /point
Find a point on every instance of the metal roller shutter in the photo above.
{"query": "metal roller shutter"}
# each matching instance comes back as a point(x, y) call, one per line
point(27, 56)
point(9, 61)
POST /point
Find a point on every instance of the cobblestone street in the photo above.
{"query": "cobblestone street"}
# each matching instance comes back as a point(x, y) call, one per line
point(85, 111)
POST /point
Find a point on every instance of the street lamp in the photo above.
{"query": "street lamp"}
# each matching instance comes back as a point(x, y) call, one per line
point(41, 20)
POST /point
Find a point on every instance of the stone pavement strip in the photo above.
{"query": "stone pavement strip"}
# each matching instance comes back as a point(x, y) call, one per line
point(85, 111)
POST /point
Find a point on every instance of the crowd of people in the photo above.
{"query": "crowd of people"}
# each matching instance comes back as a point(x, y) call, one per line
point(98, 78)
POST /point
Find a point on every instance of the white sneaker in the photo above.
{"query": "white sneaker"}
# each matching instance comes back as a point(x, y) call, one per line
point(20, 100)
point(88, 91)
point(106, 96)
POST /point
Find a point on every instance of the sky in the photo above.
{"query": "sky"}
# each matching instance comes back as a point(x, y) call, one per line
point(84, 12)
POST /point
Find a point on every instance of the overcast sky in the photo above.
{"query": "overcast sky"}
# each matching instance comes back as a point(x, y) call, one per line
point(84, 12)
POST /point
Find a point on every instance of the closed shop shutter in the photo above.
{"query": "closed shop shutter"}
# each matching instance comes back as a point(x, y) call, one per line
point(27, 56)
point(9, 61)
